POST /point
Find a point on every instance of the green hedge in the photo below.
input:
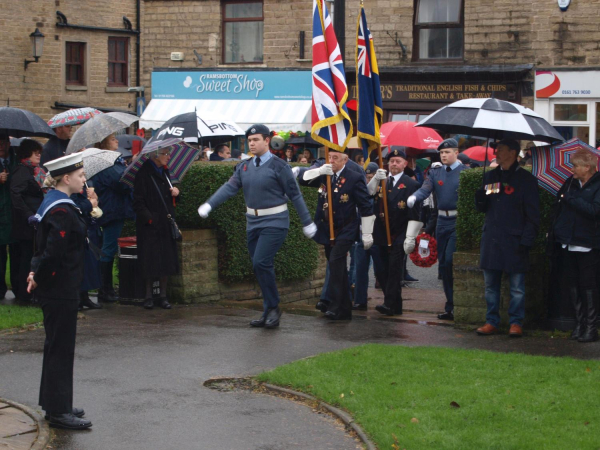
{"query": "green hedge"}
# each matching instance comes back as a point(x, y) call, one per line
point(469, 222)
point(298, 256)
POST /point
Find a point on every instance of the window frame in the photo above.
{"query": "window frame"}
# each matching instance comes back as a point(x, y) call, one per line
point(436, 25)
point(125, 63)
point(82, 51)
point(225, 20)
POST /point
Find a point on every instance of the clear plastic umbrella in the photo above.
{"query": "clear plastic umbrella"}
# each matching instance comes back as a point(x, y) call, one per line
point(99, 127)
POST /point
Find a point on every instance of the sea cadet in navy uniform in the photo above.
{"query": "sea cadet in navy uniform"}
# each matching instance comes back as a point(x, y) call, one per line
point(444, 182)
point(404, 227)
point(268, 185)
point(56, 276)
point(349, 192)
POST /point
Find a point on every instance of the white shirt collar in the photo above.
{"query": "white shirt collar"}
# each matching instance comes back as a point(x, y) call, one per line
point(340, 171)
point(397, 177)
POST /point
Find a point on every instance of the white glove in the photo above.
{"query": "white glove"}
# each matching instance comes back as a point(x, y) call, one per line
point(310, 230)
point(295, 171)
point(436, 164)
point(412, 230)
point(411, 201)
point(311, 174)
point(367, 231)
point(204, 210)
point(381, 174)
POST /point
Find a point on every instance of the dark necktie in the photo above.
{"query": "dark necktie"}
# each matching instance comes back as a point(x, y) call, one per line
point(257, 161)
point(334, 179)
point(391, 183)
point(448, 169)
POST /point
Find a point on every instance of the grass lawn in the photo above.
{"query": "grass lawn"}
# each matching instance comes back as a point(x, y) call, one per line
point(12, 316)
point(439, 398)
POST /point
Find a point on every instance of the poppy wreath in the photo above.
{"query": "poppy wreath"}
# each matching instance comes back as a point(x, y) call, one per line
point(417, 259)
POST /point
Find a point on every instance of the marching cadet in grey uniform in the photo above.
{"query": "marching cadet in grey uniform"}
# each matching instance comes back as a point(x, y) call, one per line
point(444, 182)
point(349, 193)
point(268, 184)
point(404, 227)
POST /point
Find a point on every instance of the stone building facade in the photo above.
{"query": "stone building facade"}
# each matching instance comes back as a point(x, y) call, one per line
point(84, 40)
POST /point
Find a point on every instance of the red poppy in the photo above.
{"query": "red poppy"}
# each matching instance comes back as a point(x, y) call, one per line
point(440, 182)
point(509, 190)
point(401, 186)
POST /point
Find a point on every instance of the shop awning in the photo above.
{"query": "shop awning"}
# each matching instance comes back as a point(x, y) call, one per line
point(278, 115)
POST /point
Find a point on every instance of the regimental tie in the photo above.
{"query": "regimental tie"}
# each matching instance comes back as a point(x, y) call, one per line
point(334, 179)
point(257, 161)
point(391, 183)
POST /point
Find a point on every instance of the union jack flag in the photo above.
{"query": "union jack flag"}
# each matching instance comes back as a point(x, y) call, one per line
point(370, 106)
point(331, 125)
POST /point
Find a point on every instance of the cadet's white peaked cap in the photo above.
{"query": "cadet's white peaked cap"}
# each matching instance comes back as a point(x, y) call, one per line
point(66, 164)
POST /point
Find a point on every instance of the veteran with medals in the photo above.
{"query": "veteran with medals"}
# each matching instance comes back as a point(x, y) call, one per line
point(404, 226)
point(349, 193)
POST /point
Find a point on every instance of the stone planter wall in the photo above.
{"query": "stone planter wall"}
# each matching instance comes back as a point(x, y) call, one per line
point(199, 281)
point(469, 291)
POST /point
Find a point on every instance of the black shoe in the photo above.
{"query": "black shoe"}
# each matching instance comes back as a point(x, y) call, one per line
point(68, 421)
point(78, 412)
point(359, 307)
point(384, 310)
point(407, 277)
point(272, 319)
point(86, 301)
point(339, 316)
point(258, 323)
point(149, 303)
point(164, 303)
point(322, 306)
point(446, 316)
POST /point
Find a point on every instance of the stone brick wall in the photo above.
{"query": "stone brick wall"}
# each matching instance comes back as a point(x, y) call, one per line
point(469, 291)
point(42, 84)
point(199, 281)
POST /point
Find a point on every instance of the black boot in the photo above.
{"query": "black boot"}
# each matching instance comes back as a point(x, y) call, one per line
point(579, 314)
point(591, 315)
point(85, 300)
point(107, 292)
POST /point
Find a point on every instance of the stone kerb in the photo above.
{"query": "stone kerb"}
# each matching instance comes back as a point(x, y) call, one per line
point(198, 280)
point(469, 291)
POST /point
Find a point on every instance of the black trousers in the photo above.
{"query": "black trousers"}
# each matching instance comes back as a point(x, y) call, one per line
point(60, 324)
point(5, 251)
point(23, 253)
point(581, 269)
point(337, 256)
point(392, 274)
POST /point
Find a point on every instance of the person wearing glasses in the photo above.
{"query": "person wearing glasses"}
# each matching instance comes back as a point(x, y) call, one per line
point(153, 199)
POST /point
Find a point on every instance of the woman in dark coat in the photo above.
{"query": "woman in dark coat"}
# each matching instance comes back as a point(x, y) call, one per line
point(26, 193)
point(576, 230)
point(152, 201)
point(56, 275)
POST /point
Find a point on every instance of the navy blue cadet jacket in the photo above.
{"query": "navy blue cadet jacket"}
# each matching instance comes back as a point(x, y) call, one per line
point(114, 198)
point(512, 219)
point(351, 194)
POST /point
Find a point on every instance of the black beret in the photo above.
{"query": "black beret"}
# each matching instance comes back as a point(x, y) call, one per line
point(396, 151)
point(371, 168)
point(258, 128)
point(448, 143)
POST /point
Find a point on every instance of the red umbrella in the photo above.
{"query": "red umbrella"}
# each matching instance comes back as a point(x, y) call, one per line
point(477, 153)
point(405, 134)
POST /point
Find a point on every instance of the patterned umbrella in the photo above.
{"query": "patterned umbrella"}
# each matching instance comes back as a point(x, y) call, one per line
point(96, 160)
point(73, 117)
point(19, 123)
point(182, 157)
point(552, 165)
point(99, 127)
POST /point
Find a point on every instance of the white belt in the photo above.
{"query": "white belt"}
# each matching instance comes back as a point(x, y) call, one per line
point(267, 211)
point(450, 213)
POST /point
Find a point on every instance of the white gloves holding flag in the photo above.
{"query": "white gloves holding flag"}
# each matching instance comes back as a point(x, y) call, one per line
point(311, 174)
point(374, 183)
point(310, 230)
point(412, 230)
point(367, 231)
point(204, 210)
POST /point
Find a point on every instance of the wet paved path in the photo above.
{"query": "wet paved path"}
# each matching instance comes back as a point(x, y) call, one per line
point(139, 375)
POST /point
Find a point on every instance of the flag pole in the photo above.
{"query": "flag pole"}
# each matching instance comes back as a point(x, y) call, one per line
point(329, 199)
point(384, 199)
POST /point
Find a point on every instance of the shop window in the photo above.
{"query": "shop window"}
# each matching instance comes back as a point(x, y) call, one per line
point(564, 112)
point(242, 32)
point(399, 116)
point(438, 30)
point(118, 61)
point(75, 63)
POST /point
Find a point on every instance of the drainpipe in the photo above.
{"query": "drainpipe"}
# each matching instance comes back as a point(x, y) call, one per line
point(137, 48)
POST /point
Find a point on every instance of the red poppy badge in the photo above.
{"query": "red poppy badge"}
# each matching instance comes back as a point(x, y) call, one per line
point(401, 186)
point(508, 190)
point(440, 182)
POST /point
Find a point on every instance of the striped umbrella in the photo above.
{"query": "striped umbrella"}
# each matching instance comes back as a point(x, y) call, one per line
point(182, 157)
point(552, 164)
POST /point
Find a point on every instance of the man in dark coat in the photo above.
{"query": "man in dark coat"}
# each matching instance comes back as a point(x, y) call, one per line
point(404, 227)
point(57, 146)
point(511, 203)
point(7, 244)
point(349, 193)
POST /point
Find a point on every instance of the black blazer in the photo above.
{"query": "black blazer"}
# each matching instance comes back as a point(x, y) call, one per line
point(26, 196)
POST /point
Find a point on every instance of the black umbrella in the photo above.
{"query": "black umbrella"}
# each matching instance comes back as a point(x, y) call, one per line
point(304, 141)
point(18, 123)
point(126, 143)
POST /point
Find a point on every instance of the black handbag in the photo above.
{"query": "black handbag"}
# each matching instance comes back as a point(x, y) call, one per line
point(175, 231)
